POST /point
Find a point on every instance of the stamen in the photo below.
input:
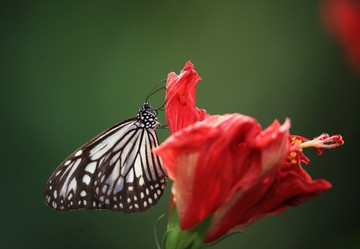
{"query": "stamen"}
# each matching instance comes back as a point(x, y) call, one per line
point(323, 141)
point(295, 155)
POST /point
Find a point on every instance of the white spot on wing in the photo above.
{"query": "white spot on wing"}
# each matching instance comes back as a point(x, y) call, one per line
point(143, 150)
point(86, 179)
point(119, 185)
point(114, 158)
point(91, 167)
point(115, 173)
point(137, 166)
point(64, 190)
point(130, 176)
point(72, 185)
point(78, 153)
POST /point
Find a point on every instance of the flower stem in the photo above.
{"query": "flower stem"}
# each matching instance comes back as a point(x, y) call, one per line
point(193, 238)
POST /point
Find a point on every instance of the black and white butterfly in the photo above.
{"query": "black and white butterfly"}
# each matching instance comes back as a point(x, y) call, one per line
point(115, 170)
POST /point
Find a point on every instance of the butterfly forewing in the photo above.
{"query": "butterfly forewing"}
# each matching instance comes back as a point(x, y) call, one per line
point(71, 185)
point(109, 170)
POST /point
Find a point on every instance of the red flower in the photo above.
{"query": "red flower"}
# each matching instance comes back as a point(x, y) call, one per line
point(343, 18)
point(227, 166)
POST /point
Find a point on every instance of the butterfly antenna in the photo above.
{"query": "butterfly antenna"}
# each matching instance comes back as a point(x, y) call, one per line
point(155, 89)
point(161, 108)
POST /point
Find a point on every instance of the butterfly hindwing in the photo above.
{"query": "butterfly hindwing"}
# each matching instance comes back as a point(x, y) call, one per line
point(132, 178)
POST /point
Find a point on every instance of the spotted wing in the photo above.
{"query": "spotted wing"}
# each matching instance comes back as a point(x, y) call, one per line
point(71, 186)
point(132, 178)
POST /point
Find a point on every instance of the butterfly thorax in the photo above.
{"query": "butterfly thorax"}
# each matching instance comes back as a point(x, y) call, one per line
point(147, 116)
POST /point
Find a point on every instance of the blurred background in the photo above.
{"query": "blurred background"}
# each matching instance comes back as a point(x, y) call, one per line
point(71, 70)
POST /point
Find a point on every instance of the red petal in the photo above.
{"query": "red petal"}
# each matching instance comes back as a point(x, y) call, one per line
point(180, 99)
point(212, 159)
point(274, 196)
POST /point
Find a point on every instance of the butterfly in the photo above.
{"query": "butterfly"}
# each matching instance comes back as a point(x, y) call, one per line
point(115, 170)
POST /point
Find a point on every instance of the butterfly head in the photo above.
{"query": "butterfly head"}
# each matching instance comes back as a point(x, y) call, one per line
point(147, 116)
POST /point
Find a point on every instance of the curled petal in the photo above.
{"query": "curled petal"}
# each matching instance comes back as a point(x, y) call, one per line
point(180, 99)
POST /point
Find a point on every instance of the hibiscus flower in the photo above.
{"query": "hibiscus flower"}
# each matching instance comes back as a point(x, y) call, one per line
point(227, 168)
point(343, 19)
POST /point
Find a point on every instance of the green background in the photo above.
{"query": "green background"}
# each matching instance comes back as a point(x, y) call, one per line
point(70, 70)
